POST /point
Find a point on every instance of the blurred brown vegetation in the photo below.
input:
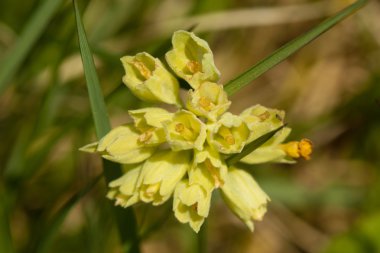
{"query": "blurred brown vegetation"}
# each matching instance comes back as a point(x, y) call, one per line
point(330, 91)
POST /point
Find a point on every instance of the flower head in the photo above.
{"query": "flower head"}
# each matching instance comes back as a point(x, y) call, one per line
point(209, 101)
point(124, 189)
point(191, 203)
point(191, 59)
point(148, 79)
point(160, 174)
point(210, 166)
point(261, 120)
point(244, 196)
point(229, 134)
point(148, 121)
point(187, 154)
point(274, 151)
point(185, 131)
point(121, 145)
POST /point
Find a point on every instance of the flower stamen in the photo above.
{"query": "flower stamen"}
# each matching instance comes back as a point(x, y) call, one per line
point(152, 189)
point(227, 135)
point(186, 133)
point(193, 67)
point(264, 116)
point(213, 173)
point(205, 103)
point(146, 136)
point(144, 71)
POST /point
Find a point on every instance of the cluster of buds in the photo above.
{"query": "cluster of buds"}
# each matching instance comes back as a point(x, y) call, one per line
point(183, 154)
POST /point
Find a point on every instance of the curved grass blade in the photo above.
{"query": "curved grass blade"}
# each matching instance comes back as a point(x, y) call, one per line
point(33, 29)
point(125, 218)
point(252, 146)
point(288, 49)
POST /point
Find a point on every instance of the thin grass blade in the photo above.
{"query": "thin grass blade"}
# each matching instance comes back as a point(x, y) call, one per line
point(5, 233)
point(288, 49)
point(252, 146)
point(125, 218)
point(34, 27)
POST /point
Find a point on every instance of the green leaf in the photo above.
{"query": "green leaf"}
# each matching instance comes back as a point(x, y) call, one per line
point(288, 49)
point(29, 36)
point(125, 218)
point(252, 146)
point(98, 107)
point(5, 234)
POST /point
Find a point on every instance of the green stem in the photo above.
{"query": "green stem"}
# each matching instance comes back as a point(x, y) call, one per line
point(125, 219)
point(202, 238)
point(5, 233)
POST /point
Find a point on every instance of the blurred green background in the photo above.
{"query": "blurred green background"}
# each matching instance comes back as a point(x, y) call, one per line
point(330, 91)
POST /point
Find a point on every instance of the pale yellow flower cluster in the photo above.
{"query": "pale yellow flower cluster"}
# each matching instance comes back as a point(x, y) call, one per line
point(182, 154)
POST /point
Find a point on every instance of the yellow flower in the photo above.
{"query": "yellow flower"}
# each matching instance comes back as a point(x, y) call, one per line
point(191, 59)
point(191, 203)
point(160, 174)
point(149, 122)
point(261, 120)
point(124, 189)
point(209, 100)
point(185, 131)
point(229, 134)
point(183, 154)
point(148, 79)
point(297, 149)
point(274, 151)
point(211, 166)
point(121, 145)
point(244, 196)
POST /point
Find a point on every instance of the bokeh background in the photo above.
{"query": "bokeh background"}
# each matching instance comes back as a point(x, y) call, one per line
point(330, 91)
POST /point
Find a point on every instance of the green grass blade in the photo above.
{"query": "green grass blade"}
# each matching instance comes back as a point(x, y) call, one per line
point(125, 218)
point(99, 111)
point(29, 36)
point(5, 234)
point(252, 146)
point(288, 49)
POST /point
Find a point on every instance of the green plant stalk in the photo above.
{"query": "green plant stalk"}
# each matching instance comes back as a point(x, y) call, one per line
point(202, 238)
point(29, 36)
point(125, 218)
point(5, 233)
point(288, 49)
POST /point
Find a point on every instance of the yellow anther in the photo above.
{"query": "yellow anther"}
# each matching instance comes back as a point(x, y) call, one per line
point(179, 127)
point(152, 189)
point(205, 103)
point(193, 66)
point(186, 133)
point(214, 173)
point(305, 147)
point(144, 137)
point(195, 207)
point(227, 135)
point(264, 116)
point(144, 71)
point(297, 149)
